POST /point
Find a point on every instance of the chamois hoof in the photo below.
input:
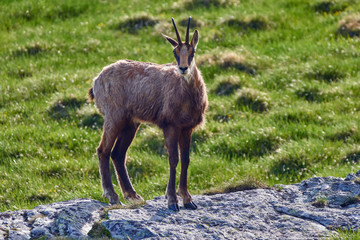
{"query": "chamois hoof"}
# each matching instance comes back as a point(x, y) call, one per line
point(174, 207)
point(190, 205)
point(113, 199)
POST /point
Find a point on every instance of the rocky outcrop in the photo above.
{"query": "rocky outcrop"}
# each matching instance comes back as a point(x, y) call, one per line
point(312, 209)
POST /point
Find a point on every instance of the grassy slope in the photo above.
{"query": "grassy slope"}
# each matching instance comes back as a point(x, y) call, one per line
point(306, 79)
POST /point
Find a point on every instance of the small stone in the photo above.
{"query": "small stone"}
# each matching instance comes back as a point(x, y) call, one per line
point(350, 177)
point(38, 232)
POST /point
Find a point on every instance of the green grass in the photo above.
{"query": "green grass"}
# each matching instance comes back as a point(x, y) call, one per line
point(348, 234)
point(282, 83)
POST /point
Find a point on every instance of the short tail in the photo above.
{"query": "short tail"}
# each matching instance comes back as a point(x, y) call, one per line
point(91, 94)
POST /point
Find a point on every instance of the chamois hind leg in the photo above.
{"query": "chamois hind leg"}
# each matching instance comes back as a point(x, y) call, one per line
point(184, 143)
point(110, 132)
point(118, 156)
point(171, 135)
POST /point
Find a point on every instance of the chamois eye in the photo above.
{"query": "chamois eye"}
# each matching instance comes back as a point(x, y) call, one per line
point(176, 55)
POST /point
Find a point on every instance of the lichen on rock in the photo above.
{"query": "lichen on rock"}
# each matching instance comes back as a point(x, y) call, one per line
point(284, 212)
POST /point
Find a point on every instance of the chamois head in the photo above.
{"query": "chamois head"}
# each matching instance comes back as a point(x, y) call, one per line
point(184, 51)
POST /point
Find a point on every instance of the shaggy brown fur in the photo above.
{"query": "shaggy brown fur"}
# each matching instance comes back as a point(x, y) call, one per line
point(172, 96)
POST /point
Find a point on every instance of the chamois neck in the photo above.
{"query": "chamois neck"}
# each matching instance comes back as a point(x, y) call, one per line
point(193, 75)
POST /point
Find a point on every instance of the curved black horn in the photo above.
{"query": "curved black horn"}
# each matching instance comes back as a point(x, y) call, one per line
point(177, 33)
point(187, 31)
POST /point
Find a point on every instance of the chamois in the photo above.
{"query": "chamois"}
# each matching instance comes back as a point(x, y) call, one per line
point(172, 96)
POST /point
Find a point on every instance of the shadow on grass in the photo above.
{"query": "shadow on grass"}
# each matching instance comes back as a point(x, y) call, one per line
point(94, 121)
point(351, 158)
point(227, 61)
point(254, 100)
point(326, 74)
point(41, 197)
point(153, 143)
point(30, 50)
point(19, 73)
point(64, 108)
point(330, 6)
point(135, 24)
point(310, 94)
point(256, 24)
point(350, 26)
point(192, 4)
point(258, 146)
point(290, 168)
point(343, 135)
point(227, 87)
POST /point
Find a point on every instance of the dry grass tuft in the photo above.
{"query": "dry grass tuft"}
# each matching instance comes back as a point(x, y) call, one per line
point(164, 27)
point(98, 231)
point(255, 100)
point(193, 23)
point(136, 23)
point(311, 94)
point(253, 23)
point(193, 4)
point(130, 205)
point(227, 60)
point(227, 85)
point(330, 6)
point(247, 183)
point(320, 202)
point(350, 26)
point(351, 201)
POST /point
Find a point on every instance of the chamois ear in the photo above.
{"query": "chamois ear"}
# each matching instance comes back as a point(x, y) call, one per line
point(195, 39)
point(171, 40)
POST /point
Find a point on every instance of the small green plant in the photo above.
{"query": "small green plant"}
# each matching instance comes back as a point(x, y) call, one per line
point(350, 201)
point(278, 187)
point(320, 202)
point(247, 183)
point(99, 231)
point(345, 234)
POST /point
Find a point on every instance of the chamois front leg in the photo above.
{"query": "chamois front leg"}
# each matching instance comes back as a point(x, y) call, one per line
point(171, 135)
point(118, 155)
point(184, 143)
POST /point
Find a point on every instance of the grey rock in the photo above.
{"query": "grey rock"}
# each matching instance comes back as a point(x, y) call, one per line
point(72, 219)
point(284, 212)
